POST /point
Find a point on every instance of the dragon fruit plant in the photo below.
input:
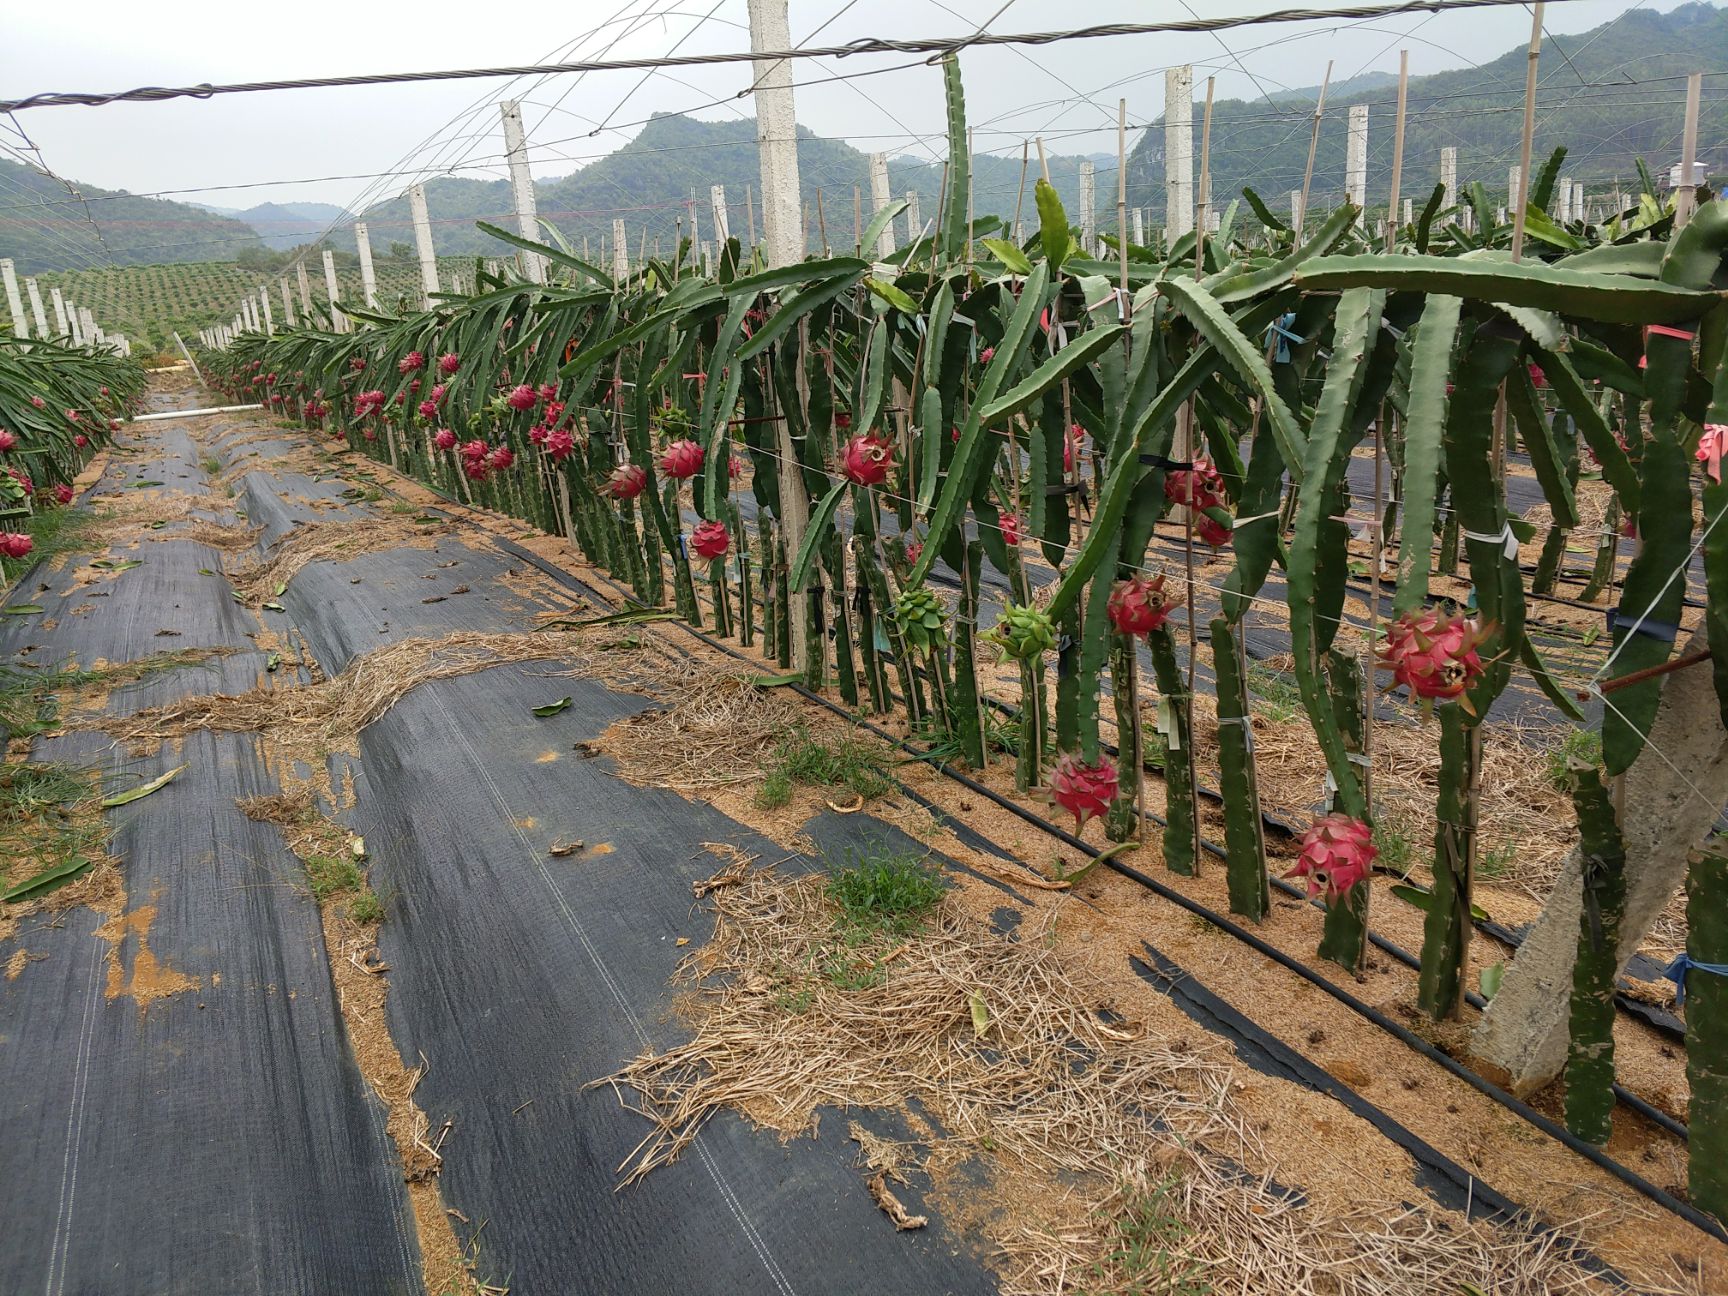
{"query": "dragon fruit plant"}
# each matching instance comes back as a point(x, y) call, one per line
point(1085, 789)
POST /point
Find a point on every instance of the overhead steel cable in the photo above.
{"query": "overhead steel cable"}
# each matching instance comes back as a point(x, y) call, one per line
point(871, 45)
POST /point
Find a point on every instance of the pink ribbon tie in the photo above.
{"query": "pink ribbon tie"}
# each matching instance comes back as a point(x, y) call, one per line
point(1710, 449)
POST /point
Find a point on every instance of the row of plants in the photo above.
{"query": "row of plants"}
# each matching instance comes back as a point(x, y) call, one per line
point(788, 453)
point(58, 405)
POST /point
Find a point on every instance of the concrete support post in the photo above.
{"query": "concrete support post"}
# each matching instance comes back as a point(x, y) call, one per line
point(776, 134)
point(1178, 152)
point(368, 280)
point(264, 301)
point(15, 303)
point(287, 305)
point(717, 206)
point(305, 290)
point(522, 190)
point(1356, 156)
point(61, 327)
point(423, 244)
point(338, 321)
point(880, 198)
point(36, 312)
point(1088, 204)
point(620, 252)
point(913, 221)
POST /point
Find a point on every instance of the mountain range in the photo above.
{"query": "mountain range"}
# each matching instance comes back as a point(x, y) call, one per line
point(1611, 96)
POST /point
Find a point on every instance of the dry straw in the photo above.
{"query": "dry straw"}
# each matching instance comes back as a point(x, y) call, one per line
point(1089, 1127)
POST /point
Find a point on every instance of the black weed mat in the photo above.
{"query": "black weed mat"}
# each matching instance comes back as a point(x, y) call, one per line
point(218, 1138)
point(521, 976)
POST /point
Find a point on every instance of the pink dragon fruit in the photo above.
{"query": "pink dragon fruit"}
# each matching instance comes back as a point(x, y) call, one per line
point(62, 494)
point(1083, 790)
point(444, 439)
point(1138, 605)
point(449, 362)
point(521, 397)
point(80, 440)
point(15, 544)
point(554, 412)
point(357, 363)
point(537, 435)
point(1211, 531)
point(1199, 487)
point(38, 402)
point(681, 459)
point(8, 440)
point(866, 459)
point(1337, 853)
point(475, 449)
point(549, 391)
point(560, 445)
point(1076, 435)
point(410, 362)
point(710, 540)
point(1434, 656)
point(1011, 529)
point(502, 457)
point(626, 482)
point(475, 469)
point(428, 409)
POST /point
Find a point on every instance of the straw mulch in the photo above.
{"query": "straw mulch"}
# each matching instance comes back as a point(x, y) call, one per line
point(327, 715)
point(717, 733)
point(314, 542)
point(1087, 1128)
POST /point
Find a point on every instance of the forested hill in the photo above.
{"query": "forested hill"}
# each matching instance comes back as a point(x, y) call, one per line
point(647, 182)
point(1611, 96)
point(43, 227)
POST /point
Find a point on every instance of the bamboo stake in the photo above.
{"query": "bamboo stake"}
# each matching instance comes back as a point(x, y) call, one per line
point(1137, 750)
point(1313, 145)
point(1397, 163)
point(1522, 197)
point(1020, 198)
point(1200, 223)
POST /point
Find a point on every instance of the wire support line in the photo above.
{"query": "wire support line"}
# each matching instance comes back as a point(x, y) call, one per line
point(937, 47)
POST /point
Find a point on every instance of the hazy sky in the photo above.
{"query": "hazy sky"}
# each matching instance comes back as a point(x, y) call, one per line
point(1067, 92)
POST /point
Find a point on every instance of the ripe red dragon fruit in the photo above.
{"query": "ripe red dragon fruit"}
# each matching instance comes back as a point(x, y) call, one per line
point(438, 390)
point(709, 539)
point(444, 439)
point(1434, 656)
point(449, 362)
point(368, 402)
point(38, 402)
point(1199, 487)
point(410, 362)
point(626, 482)
point(1211, 531)
point(549, 391)
point(736, 466)
point(521, 397)
point(7, 440)
point(62, 494)
point(475, 469)
point(428, 409)
point(1081, 789)
point(560, 445)
point(1013, 530)
point(357, 363)
point(1076, 435)
point(502, 457)
point(866, 459)
point(1337, 853)
point(554, 412)
point(681, 459)
point(475, 449)
point(80, 440)
point(1138, 605)
point(15, 544)
point(72, 416)
point(23, 479)
point(537, 435)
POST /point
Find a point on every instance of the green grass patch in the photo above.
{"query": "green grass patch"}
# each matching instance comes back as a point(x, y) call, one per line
point(1497, 862)
point(1392, 839)
point(1578, 745)
point(806, 761)
point(50, 816)
point(366, 908)
point(1145, 1251)
point(886, 893)
point(1275, 693)
point(28, 701)
point(333, 875)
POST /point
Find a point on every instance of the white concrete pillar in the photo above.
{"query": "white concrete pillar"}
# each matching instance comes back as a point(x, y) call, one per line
point(305, 290)
point(1514, 189)
point(20, 326)
point(338, 321)
point(287, 304)
point(1449, 176)
point(36, 312)
point(777, 147)
point(1295, 209)
point(913, 223)
point(1356, 156)
point(264, 301)
point(1409, 212)
point(717, 206)
point(1578, 212)
point(1178, 151)
point(87, 322)
point(620, 252)
point(880, 198)
point(423, 244)
point(1088, 201)
point(368, 279)
point(1563, 201)
point(61, 327)
point(1137, 226)
point(522, 190)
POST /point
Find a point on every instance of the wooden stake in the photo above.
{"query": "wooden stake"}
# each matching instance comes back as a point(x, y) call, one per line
point(1020, 198)
point(1521, 199)
point(1313, 144)
point(1686, 193)
point(1397, 178)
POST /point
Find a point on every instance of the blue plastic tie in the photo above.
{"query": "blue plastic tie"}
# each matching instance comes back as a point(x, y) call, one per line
point(1683, 963)
point(1280, 328)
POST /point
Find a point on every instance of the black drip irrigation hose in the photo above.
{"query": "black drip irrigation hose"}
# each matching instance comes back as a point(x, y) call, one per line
point(1625, 1174)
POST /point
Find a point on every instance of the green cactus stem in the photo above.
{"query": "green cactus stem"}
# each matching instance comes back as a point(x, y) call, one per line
point(1344, 935)
point(1706, 996)
point(1607, 554)
point(1590, 1050)
point(845, 666)
point(1122, 822)
point(1244, 833)
point(968, 720)
point(1178, 753)
point(1447, 929)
